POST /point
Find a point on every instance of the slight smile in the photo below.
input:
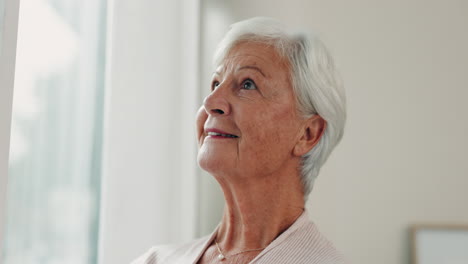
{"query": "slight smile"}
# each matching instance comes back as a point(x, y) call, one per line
point(215, 133)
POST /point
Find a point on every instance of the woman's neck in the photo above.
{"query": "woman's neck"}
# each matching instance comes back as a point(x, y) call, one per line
point(258, 211)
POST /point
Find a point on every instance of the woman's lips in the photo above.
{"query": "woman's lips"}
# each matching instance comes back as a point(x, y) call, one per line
point(216, 133)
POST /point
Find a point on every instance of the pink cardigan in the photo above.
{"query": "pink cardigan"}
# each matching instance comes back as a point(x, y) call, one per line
point(300, 243)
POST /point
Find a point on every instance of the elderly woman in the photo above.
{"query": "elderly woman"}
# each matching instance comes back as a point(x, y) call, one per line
point(275, 112)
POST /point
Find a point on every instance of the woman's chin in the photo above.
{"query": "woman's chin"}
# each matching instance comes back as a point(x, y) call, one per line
point(213, 163)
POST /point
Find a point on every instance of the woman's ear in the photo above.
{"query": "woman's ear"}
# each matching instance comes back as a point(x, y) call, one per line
point(312, 132)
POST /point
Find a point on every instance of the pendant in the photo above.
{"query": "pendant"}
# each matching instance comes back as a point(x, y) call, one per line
point(221, 257)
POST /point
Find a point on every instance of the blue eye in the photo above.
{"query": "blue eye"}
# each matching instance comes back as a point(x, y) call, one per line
point(249, 85)
point(214, 84)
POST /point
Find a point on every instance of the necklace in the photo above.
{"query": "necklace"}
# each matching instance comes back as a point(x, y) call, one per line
point(222, 257)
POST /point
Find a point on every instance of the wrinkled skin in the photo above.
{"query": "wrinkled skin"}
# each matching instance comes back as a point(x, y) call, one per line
point(265, 119)
point(258, 165)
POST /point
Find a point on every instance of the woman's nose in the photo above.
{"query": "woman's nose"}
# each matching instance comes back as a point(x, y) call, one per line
point(216, 103)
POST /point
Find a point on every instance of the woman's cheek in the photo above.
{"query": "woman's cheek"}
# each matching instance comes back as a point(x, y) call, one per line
point(201, 119)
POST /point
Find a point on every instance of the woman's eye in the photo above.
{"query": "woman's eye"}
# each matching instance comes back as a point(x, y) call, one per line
point(249, 85)
point(214, 84)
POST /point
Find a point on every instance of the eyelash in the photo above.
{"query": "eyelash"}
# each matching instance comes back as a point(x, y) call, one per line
point(215, 84)
point(250, 81)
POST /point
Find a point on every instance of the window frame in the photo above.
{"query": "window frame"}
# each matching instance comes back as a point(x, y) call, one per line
point(9, 25)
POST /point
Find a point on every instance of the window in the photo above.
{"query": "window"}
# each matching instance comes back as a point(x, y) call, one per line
point(56, 139)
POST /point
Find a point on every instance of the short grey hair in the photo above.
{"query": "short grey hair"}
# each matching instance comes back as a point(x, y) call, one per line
point(315, 80)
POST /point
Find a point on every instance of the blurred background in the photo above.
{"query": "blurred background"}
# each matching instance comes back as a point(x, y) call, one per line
point(102, 160)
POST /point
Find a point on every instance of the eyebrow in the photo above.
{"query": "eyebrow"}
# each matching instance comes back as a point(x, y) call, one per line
point(243, 68)
point(251, 67)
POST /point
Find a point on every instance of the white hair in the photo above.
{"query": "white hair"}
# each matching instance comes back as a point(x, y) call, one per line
point(314, 78)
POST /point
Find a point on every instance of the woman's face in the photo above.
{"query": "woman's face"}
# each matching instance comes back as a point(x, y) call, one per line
point(248, 125)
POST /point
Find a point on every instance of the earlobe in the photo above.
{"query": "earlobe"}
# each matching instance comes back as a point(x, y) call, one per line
point(311, 134)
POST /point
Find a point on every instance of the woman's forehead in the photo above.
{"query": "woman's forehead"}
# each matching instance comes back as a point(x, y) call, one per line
point(255, 56)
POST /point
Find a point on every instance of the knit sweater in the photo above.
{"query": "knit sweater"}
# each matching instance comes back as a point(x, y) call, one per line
point(301, 243)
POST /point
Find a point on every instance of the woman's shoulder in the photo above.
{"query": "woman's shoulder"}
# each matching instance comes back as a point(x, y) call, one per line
point(174, 253)
point(318, 247)
point(314, 246)
point(302, 243)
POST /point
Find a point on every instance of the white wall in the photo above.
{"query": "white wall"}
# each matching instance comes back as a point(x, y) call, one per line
point(9, 25)
point(149, 186)
point(403, 158)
